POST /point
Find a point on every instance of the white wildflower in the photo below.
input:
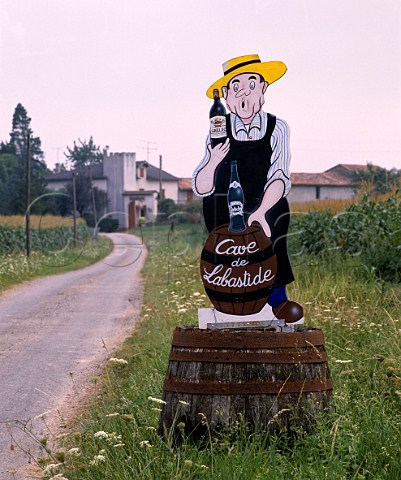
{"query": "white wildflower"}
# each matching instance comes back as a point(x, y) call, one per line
point(157, 400)
point(60, 476)
point(52, 468)
point(117, 445)
point(146, 443)
point(74, 452)
point(97, 459)
point(343, 361)
point(121, 361)
point(101, 434)
point(183, 402)
point(112, 415)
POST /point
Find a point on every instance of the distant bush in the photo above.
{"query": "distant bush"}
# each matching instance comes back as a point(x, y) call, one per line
point(370, 230)
point(108, 225)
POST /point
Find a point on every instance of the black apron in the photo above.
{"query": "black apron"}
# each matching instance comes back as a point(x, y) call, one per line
point(253, 163)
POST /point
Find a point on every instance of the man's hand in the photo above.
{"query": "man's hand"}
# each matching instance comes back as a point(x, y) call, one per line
point(204, 182)
point(259, 216)
point(218, 153)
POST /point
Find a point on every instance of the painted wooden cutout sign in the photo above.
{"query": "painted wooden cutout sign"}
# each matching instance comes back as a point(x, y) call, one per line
point(244, 181)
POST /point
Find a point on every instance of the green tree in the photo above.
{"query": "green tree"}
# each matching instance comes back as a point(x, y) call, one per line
point(83, 154)
point(378, 180)
point(83, 196)
point(8, 167)
point(13, 156)
point(59, 168)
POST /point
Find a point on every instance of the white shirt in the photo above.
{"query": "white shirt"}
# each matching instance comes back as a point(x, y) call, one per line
point(256, 130)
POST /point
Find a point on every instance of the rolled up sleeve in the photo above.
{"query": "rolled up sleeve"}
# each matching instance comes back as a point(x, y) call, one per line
point(280, 159)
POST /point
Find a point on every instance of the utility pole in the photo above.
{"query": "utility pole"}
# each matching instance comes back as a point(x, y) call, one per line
point(28, 197)
point(93, 202)
point(74, 199)
point(160, 178)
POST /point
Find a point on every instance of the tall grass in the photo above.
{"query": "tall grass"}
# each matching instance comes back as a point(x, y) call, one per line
point(370, 232)
point(360, 439)
point(336, 205)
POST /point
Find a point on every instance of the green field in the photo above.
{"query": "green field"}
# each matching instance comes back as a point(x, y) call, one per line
point(359, 439)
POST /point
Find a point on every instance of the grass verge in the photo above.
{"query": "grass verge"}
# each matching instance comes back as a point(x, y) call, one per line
point(16, 268)
point(360, 439)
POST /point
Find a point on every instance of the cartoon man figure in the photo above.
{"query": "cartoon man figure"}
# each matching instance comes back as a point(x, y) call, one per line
point(258, 141)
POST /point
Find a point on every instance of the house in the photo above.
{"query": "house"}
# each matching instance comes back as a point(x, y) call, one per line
point(338, 182)
point(185, 192)
point(132, 186)
point(150, 177)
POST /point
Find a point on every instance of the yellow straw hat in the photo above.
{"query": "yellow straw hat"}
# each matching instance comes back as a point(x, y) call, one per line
point(270, 71)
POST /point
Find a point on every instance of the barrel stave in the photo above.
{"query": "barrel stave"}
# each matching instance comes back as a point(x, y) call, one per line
point(265, 395)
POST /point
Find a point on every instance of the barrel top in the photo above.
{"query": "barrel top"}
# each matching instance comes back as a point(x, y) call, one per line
point(250, 230)
point(246, 338)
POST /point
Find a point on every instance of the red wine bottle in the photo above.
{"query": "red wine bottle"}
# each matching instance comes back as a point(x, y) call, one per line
point(217, 115)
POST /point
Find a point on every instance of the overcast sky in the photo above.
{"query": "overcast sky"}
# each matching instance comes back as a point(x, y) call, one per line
point(130, 72)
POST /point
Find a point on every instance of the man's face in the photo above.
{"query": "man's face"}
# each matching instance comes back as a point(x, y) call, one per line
point(244, 95)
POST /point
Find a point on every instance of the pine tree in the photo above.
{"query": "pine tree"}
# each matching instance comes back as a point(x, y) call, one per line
point(16, 176)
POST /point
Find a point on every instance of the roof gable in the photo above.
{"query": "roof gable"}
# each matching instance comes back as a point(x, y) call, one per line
point(153, 173)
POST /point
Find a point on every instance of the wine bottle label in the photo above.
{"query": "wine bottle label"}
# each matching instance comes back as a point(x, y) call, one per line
point(234, 184)
point(218, 127)
point(236, 208)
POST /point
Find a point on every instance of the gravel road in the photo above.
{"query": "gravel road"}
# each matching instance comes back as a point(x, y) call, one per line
point(56, 325)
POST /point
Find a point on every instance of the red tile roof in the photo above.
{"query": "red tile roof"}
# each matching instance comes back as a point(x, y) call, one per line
point(185, 183)
point(341, 175)
point(320, 179)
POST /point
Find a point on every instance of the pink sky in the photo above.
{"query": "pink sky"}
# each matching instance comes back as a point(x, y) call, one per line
point(128, 71)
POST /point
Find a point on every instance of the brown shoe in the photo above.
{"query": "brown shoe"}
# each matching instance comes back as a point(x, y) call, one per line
point(289, 311)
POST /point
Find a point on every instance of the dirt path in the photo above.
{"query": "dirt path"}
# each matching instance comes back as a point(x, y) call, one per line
point(56, 325)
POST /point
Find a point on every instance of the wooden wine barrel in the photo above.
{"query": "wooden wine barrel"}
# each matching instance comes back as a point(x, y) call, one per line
point(271, 380)
point(238, 269)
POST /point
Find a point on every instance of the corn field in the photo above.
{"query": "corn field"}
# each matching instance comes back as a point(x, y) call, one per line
point(369, 232)
point(48, 233)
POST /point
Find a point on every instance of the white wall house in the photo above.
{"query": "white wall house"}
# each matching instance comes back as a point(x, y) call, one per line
point(132, 186)
point(338, 182)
